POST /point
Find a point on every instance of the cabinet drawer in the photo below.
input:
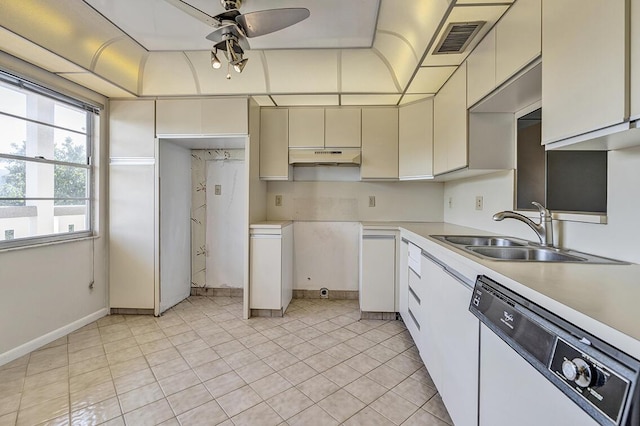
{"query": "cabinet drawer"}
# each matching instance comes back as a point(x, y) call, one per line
point(415, 285)
point(412, 321)
point(415, 308)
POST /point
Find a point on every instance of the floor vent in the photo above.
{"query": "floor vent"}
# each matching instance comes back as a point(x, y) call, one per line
point(457, 37)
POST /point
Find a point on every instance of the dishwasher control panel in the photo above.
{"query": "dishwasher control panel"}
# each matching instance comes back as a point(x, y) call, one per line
point(599, 385)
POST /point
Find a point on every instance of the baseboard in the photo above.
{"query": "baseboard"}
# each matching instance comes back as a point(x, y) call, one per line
point(38, 342)
point(387, 316)
point(131, 311)
point(267, 313)
point(333, 294)
point(217, 292)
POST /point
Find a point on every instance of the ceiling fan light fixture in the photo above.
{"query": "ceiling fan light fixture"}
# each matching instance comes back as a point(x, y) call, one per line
point(215, 62)
point(238, 66)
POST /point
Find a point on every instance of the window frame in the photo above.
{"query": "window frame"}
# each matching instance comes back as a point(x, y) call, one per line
point(92, 112)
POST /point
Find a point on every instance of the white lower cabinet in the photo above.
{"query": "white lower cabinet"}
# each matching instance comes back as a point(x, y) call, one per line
point(445, 333)
point(271, 267)
point(378, 272)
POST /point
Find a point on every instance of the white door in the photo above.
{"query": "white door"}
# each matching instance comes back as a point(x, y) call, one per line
point(226, 223)
point(175, 223)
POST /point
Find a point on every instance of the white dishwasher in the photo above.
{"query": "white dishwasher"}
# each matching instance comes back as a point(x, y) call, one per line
point(537, 369)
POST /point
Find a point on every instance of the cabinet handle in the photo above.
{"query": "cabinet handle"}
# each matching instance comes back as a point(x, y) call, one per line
point(450, 271)
point(378, 237)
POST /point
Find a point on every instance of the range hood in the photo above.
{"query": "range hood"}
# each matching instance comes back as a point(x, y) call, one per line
point(324, 156)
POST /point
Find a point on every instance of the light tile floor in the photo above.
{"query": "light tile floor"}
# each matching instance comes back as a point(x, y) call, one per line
point(201, 364)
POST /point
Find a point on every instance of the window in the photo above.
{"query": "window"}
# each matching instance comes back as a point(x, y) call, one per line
point(45, 164)
point(563, 181)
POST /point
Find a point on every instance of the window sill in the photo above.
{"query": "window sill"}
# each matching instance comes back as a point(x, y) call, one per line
point(596, 218)
point(53, 242)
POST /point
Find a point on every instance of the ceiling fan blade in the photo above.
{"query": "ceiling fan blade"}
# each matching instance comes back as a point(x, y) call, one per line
point(195, 12)
point(267, 21)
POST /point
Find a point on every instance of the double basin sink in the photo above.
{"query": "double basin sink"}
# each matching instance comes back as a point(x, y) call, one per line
point(514, 249)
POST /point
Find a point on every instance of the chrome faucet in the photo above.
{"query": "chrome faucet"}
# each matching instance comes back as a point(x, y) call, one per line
point(544, 230)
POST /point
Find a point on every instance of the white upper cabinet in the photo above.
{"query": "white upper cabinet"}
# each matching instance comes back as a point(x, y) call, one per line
point(306, 127)
point(584, 67)
point(481, 69)
point(379, 143)
point(450, 124)
point(274, 144)
point(325, 128)
point(415, 140)
point(197, 117)
point(518, 38)
point(635, 60)
point(131, 129)
point(342, 127)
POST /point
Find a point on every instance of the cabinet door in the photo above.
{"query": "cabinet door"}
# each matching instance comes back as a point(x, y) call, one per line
point(403, 280)
point(287, 266)
point(378, 273)
point(459, 345)
point(265, 272)
point(432, 321)
point(132, 231)
point(415, 140)
point(342, 127)
point(306, 128)
point(450, 124)
point(274, 144)
point(379, 143)
point(131, 129)
point(178, 116)
point(481, 69)
point(584, 67)
point(635, 60)
point(518, 38)
point(227, 116)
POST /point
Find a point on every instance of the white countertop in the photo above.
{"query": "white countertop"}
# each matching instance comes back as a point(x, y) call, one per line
point(601, 299)
point(270, 224)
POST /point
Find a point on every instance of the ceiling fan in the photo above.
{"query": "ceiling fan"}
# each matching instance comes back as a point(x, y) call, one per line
point(232, 28)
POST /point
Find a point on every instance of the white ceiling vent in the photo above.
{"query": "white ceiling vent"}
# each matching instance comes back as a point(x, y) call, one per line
point(457, 37)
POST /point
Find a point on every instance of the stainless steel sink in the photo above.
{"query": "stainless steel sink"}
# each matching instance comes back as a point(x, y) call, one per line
point(468, 240)
point(517, 250)
point(538, 254)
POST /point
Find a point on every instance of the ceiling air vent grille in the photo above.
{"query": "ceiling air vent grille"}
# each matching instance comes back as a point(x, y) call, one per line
point(457, 37)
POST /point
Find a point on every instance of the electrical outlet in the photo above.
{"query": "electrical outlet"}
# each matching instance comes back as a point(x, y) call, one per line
point(218, 190)
point(479, 202)
point(278, 200)
point(372, 200)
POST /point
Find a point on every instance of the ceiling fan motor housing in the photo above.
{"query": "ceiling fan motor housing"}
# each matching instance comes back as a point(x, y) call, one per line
point(231, 4)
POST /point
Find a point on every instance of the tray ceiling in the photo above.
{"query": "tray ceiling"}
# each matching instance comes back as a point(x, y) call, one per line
point(366, 52)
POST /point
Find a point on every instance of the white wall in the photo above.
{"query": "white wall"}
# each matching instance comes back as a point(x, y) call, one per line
point(349, 201)
point(44, 291)
point(175, 224)
point(327, 219)
point(226, 223)
point(618, 238)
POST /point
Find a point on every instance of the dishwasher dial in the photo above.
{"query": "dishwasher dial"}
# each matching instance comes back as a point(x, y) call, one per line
point(578, 371)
